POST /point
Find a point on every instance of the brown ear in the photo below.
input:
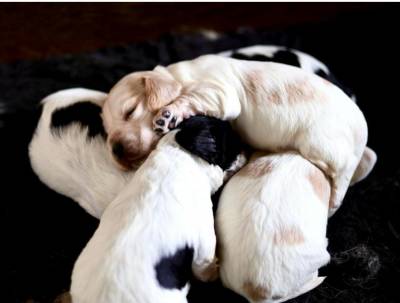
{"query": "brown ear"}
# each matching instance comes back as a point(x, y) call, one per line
point(160, 90)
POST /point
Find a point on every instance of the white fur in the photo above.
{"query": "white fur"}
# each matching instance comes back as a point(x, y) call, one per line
point(275, 107)
point(71, 163)
point(253, 212)
point(165, 206)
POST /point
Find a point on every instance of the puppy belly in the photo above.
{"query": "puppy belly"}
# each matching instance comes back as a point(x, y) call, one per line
point(261, 133)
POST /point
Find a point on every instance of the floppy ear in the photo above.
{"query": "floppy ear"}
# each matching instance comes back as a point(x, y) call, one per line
point(211, 139)
point(160, 90)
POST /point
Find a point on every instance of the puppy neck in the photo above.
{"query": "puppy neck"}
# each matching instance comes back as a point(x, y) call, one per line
point(214, 173)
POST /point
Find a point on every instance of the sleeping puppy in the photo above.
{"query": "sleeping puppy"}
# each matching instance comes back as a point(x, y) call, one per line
point(273, 106)
point(68, 151)
point(160, 227)
point(127, 148)
point(271, 227)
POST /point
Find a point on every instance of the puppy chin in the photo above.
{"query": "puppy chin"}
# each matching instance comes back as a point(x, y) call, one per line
point(130, 164)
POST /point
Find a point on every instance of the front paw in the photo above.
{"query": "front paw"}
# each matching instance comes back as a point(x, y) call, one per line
point(165, 120)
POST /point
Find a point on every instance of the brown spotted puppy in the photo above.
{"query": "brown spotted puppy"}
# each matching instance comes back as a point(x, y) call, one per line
point(271, 227)
point(273, 106)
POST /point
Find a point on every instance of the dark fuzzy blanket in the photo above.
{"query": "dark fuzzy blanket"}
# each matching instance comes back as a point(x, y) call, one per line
point(43, 232)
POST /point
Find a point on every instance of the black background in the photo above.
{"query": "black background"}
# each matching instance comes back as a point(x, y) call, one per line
point(43, 233)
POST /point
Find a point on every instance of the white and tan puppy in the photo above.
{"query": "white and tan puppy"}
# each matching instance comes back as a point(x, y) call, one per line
point(160, 228)
point(68, 151)
point(128, 148)
point(273, 106)
point(271, 227)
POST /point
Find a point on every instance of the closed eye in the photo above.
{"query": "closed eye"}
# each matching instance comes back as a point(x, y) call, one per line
point(128, 113)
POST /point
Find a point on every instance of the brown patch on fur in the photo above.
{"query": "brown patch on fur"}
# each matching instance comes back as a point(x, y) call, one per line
point(254, 292)
point(210, 272)
point(299, 91)
point(255, 82)
point(252, 81)
point(274, 96)
point(63, 298)
point(320, 184)
point(257, 168)
point(288, 236)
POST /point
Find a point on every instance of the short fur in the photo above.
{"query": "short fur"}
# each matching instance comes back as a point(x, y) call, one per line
point(159, 224)
point(271, 227)
point(273, 106)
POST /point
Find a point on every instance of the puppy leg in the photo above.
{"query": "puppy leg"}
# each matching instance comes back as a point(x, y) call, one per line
point(340, 184)
point(337, 159)
point(203, 99)
point(205, 264)
point(365, 166)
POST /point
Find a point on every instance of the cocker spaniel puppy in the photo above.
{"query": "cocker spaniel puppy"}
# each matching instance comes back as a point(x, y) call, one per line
point(160, 228)
point(271, 227)
point(273, 106)
point(69, 153)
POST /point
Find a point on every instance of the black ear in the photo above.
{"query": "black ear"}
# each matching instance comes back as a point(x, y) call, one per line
point(211, 139)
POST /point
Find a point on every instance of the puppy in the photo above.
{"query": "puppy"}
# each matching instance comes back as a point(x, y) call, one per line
point(69, 153)
point(160, 227)
point(271, 227)
point(126, 147)
point(273, 106)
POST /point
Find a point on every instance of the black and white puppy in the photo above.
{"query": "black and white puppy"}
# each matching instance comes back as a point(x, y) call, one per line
point(160, 228)
point(68, 151)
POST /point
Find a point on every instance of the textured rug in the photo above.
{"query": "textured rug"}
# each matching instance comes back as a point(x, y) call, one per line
point(43, 232)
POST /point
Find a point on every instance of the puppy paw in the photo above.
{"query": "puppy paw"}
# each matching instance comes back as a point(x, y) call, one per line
point(166, 119)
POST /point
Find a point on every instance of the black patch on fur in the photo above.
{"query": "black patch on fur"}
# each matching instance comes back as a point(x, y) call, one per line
point(331, 78)
point(256, 57)
point(176, 270)
point(286, 57)
point(281, 56)
point(211, 139)
point(87, 114)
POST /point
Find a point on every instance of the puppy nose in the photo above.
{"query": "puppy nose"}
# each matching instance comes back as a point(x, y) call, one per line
point(118, 150)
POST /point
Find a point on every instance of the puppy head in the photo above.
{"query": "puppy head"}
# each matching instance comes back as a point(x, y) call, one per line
point(128, 112)
point(211, 139)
